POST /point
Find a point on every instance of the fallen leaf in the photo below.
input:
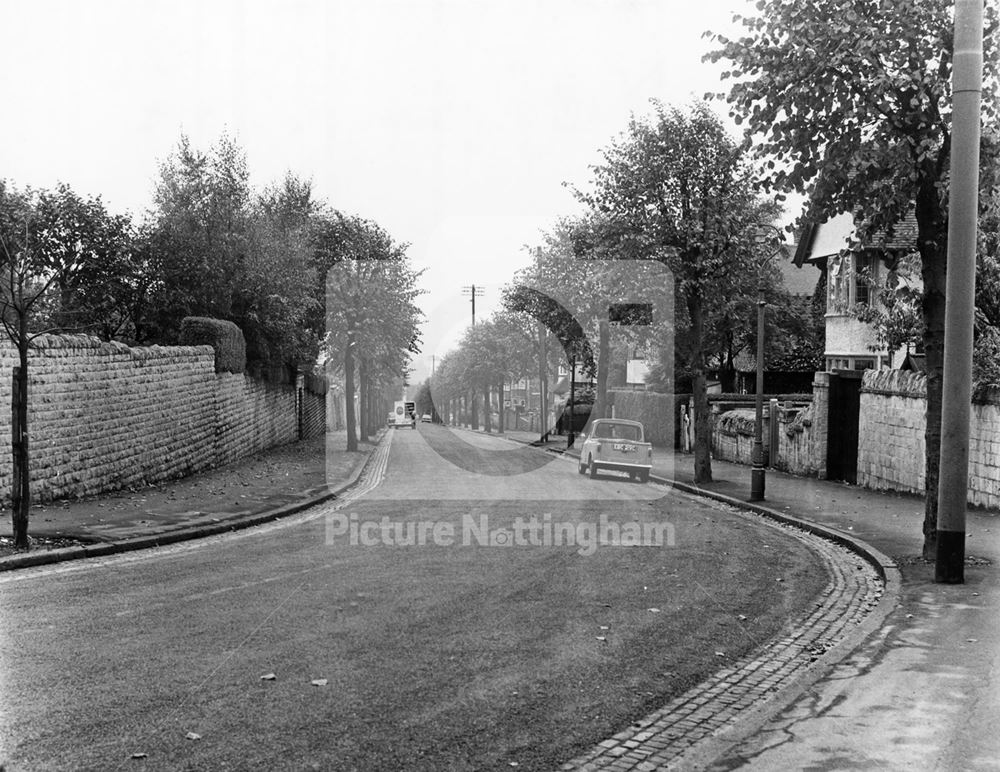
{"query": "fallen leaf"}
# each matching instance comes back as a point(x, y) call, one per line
point(972, 640)
point(268, 677)
point(140, 756)
point(192, 736)
point(601, 638)
point(319, 682)
point(742, 617)
point(720, 654)
point(653, 610)
point(605, 627)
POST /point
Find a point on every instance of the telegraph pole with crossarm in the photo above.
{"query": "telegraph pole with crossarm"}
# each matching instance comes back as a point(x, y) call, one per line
point(473, 290)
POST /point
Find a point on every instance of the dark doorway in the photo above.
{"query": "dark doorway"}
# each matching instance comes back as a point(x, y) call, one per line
point(842, 439)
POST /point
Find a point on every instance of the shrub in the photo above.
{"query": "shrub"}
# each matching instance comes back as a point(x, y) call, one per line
point(224, 337)
point(654, 410)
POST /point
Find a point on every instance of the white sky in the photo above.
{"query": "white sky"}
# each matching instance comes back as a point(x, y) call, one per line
point(452, 123)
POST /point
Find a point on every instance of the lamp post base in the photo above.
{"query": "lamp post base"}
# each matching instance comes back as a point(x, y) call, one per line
point(949, 564)
point(757, 484)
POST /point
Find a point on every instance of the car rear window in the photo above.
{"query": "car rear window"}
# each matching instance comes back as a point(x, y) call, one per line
point(619, 432)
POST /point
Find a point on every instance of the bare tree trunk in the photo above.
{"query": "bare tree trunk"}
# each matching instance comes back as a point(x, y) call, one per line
point(502, 426)
point(362, 399)
point(352, 436)
point(702, 433)
point(474, 411)
point(487, 407)
point(20, 490)
point(603, 366)
point(932, 243)
point(543, 383)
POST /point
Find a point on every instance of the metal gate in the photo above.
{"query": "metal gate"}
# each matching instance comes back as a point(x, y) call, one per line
point(842, 437)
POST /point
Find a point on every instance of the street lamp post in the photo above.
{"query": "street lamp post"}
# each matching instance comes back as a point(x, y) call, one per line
point(572, 402)
point(767, 241)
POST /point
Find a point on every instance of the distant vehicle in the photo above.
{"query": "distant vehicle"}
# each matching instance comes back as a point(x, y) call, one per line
point(616, 444)
point(402, 415)
point(425, 418)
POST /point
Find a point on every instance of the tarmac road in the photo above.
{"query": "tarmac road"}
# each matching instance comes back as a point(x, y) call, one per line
point(451, 655)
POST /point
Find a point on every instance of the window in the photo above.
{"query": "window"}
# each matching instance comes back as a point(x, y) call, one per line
point(850, 363)
point(837, 290)
point(866, 266)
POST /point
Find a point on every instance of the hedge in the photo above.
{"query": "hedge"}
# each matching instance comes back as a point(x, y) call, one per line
point(654, 410)
point(224, 337)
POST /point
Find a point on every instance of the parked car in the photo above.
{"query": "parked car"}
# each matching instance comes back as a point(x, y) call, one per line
point(425, 418)
point(616, 444)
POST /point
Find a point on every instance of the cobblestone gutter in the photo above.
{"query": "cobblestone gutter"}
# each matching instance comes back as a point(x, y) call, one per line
point(758, 684)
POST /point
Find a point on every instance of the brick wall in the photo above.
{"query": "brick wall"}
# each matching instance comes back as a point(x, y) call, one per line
point(103, 416)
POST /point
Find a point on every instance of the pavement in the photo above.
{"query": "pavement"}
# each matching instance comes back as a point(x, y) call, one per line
point(919, 692)
point(262, 487)
point(922, 689)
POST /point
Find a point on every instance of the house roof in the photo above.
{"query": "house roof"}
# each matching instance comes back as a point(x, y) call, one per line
point(798, 279)
point(819, 240)
point(915, 362)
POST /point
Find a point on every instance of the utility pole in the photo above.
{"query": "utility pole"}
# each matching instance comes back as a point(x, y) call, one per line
point(960, 292)
point(767, 242)
point(473, 290)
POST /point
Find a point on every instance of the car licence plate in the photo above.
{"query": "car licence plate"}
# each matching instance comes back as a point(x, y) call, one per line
point(624, 448)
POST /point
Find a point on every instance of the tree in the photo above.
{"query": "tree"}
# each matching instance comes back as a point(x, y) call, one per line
point(217, 248)
point(106, 292)
point(372, 321)
point(675, 189)
point(423, 400)
point(894, 310)
point(851, 101)
point(36, 254)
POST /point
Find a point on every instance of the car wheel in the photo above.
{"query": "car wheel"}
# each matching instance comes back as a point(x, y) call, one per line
point(592, 468)
point(581, 467)
point(644, 476)
point(631, 476)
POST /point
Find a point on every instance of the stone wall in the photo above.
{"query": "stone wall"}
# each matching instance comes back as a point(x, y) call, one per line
point(103, 416)
point(312, 409)
point(732, 435)
point(891, 437)
point(797, 441)
point(795, 449)
point(891, 431)
point(251, 415)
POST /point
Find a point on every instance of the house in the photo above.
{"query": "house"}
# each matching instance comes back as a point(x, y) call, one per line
point(850, 270)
